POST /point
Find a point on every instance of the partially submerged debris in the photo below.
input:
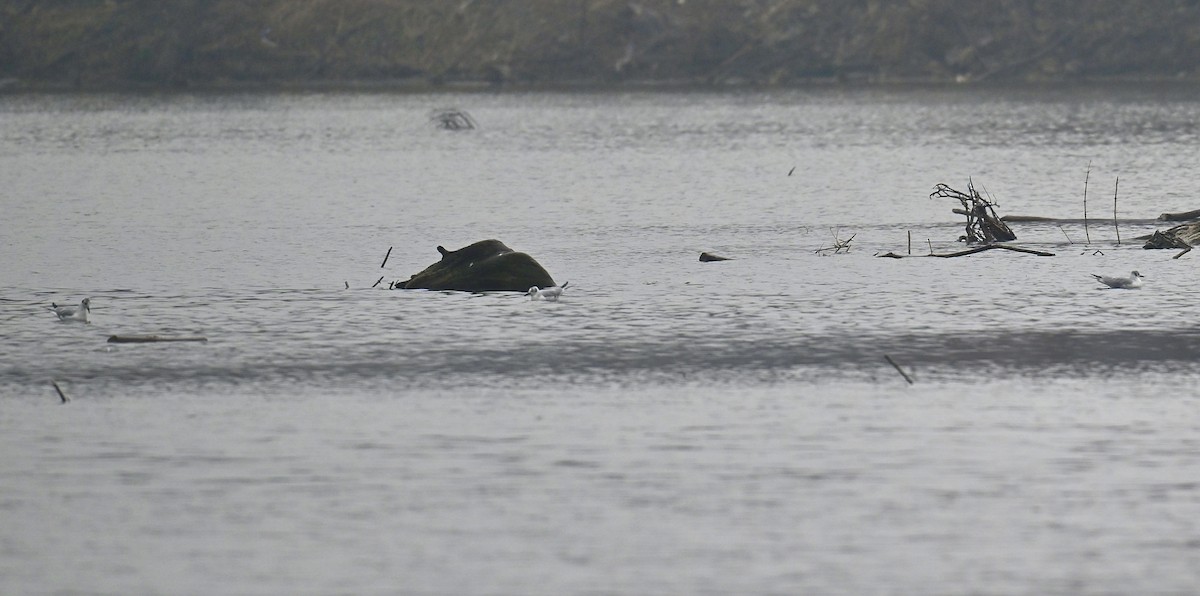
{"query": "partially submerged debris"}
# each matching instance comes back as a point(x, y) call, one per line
point(839, 245)
point(485, 266)
point(708, 257)
point(1185, 235)
point(983, 225)
point(452, 119)
point(1181, 216)
point(898, 369)
point(148, 339)
point(971, 251)
point(61, 396)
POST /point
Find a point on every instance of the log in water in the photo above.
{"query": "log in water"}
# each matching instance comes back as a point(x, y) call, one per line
point(148, 339)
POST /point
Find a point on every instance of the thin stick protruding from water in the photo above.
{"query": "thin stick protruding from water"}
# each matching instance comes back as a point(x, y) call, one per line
point(910, 242)
point(898, 369)
point(61, 395)
point(1065, 234)
point(385, 257)
point(1085, 185)
point(930, 243)
point(1115, 226)
point(378, 281)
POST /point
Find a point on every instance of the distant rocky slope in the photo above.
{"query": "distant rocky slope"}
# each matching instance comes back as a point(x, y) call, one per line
point(107, 43)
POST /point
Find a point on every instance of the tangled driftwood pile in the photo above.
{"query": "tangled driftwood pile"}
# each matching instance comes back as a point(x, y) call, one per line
point(983, 225)
point(1185, 235)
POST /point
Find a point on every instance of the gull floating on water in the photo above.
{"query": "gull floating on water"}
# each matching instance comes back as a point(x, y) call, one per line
point(1128, 283)
point(73, 313)
point(550, 293)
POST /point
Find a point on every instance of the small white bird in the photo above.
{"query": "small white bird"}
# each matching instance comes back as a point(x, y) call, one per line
point(550, 293)
point(1127, 283)
point(73, 313)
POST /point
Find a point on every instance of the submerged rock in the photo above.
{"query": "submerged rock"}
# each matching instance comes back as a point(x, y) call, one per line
point(485, 266)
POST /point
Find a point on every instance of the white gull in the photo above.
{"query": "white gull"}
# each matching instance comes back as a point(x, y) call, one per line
point(73, 313)
point(1128, 283)
point(550, 293)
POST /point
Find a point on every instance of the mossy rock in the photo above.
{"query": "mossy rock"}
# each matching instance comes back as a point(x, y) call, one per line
point(485, 266)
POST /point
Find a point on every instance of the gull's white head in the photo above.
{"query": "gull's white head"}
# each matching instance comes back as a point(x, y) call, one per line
point(533, 292)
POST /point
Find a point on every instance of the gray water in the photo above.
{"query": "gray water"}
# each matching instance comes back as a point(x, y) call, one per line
point(669, 426)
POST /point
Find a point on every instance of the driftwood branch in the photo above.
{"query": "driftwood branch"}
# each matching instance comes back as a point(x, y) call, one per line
point(1184, 235)
point(61, 396)
point(1116, 227)
point(839, 245)
point(983, 225)
point(453, 119)
point(1181, 216)
point(977, 249)
point(149, 339)
point(1085, 218)
point(898, 369)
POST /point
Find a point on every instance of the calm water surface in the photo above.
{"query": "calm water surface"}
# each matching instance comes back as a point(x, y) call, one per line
point(669, 426)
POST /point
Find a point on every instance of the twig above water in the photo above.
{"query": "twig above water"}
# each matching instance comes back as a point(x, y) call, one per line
point(898, 369)
point(1115, 226)
point(1085, 219)
point(839, 245)
point(62, 396)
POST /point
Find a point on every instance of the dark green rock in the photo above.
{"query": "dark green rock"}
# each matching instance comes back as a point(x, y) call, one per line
point(486, 266)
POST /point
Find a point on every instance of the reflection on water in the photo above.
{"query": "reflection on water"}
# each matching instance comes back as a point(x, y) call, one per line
point(668, 426)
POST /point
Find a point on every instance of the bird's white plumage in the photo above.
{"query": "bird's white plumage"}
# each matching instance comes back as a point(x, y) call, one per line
point(73, 313)
point(550, 293)
point(1121, 283)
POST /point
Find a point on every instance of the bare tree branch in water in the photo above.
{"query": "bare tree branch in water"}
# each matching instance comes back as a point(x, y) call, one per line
point(983, 225)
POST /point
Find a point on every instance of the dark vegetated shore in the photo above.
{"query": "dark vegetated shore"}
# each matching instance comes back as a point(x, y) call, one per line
point(116, 43)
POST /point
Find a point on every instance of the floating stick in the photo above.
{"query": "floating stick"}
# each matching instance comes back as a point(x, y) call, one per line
point(385, 257)
point(149, 339)
point(378, 281)
point(898, 369)
point(791, 170)
point(977, 249)
point(971, 251)
point(347, 284)
point(61, 395)
point(1115, 226)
